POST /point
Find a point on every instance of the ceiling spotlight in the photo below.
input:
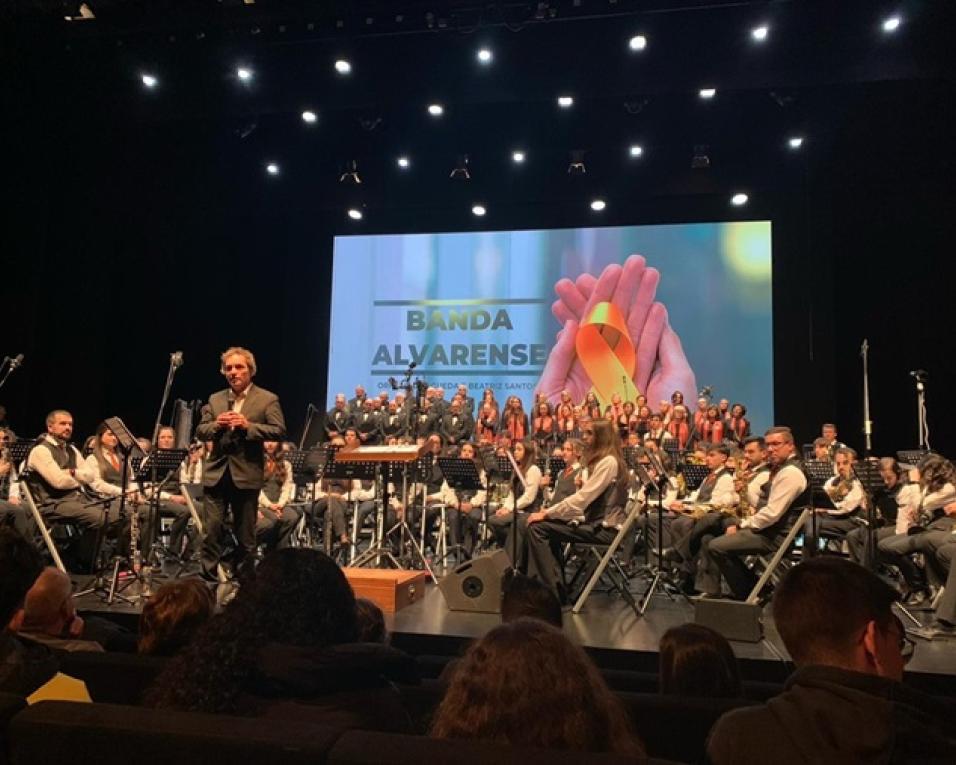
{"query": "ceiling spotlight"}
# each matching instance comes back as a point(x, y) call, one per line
point(436, 110)
point(484, 56)
point(354, 213)
point(637, 42)
point(700, 160)
point(343, 67)
point(350, 174)
point(272, 168)
point(795, 142)
point(244, 73)
point(460, 170)
point(598, 205)
point(708, 92)
point(891, 24)
point(149, 80)
point(478, 210)
point(309, 116)
point(739, 199)
point(576, 165)
point(636, 150)
point(517, 157)
point(403, 162)
point(759, 33)
point(565, 102)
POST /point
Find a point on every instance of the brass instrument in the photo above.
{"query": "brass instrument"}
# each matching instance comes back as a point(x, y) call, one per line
point(839, 489)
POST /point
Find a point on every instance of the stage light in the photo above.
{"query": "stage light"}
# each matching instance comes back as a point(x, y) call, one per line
point(244, 73)
point(708, 92)
point(517, 157)
point(436, 110)
point(460, 170)
point(739, 199)
point(636, 150)
point(354, 213)
point(759, 33)
point(478, 210)
point(637, 42)
point(484, 56)
point(403, 162)
point(149, 80)
point(891, 24)
point(272, 168)
point(350, 174)
point(576, 164)
point(598, 205)
point(795, 142)
point(309, 116)
point(343, 67)
point(565, 102)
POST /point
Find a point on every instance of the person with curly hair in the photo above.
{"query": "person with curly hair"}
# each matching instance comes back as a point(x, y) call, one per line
point(287, 647)
point(172, 617)
point(526, 684)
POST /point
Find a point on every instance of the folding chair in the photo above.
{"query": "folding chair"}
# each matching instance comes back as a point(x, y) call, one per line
point(608, 559)
point(27, 496)
point(771, 566)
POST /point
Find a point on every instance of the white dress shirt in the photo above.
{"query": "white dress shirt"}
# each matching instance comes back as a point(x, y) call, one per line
point(41, 460)
point(788, 484)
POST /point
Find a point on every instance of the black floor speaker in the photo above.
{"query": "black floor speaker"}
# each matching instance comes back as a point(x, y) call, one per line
point(733, 619)
point(476, 585)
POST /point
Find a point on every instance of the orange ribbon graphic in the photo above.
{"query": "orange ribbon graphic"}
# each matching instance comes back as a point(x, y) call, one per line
point(607, 353)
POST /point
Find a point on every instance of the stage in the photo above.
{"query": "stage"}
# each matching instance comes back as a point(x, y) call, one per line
point(608, 628)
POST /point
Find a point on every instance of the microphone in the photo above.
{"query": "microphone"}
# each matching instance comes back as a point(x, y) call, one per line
point(919, 373)
point(865, 346)
point(16, 361)
point(413, 365)
point(176, 359)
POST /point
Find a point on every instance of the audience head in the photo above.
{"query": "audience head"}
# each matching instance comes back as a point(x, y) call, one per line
point(20, 566)
point(526, 684)
point(173, 616)
point(697, 661)
point(48, 607)
point(524, 597)
point(833, 612)
point(371, 622)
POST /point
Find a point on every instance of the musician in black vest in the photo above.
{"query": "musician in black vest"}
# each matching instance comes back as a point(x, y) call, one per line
point(276, 519)
point(594, 513)
point(761, 533)
point(338, 418)
point(237, 420)
point(57, 477)
point(172, 501)
point(465, 505)
point(12, 511)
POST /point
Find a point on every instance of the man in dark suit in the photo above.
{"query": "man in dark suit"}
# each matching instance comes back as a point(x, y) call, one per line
point(338, 418)
point(467, 402)
point(237, 421)
point(455, 426)
point(368, 424)
point(357, 404)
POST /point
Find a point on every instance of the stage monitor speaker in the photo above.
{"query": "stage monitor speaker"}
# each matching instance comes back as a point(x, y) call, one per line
point(731, 618)
point(476, 585)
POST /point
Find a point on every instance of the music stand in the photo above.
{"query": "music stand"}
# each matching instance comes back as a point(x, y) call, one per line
point(694, 475)
point(868, 474)
point(672, 447)
point(460, 475)
point(552, 466)
point(20, 449)
point(912, 456)
point(819, 472)
point(165, 462)
point(343, 470)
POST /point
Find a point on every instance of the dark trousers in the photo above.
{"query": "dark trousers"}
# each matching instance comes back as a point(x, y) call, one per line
point(463, 527)
point(856, 540)
point(17, 516)
point(725, 554)
point(218, 500)
point(274, 529)
point(544, 538)
point(945, 558)
point(898, 548)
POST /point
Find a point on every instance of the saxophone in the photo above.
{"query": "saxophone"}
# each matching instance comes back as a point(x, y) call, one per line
point(839, 489)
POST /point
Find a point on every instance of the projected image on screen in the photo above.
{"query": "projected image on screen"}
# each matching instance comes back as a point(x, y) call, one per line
point(614, 311)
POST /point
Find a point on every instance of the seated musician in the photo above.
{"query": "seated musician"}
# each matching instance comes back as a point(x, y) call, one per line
point(172, 501)
point(593, 513)
point(330, 495)
point(894, 494)
point(276, 519)
point(828, 432)
point(57, 476)
point(529, 499)
point(432, 493)
point(465, 505)
point(846, 494)
point(821, 449)
point(338, 418)
point(945, 560)
point(763, 531)
point(12, 510)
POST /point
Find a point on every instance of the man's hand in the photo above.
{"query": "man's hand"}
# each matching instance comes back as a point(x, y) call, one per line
point(75, 627)
point(465, 507)
point(950, 509)
point(502, 511)
point(536, 517)
point(731, 530)
point(178, 499)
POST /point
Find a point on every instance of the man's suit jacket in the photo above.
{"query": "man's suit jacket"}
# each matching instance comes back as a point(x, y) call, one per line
point(240, 450)
point(337, 421)
point(455, 432)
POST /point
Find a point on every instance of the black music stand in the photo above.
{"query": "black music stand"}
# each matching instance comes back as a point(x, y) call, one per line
point(551, 466)
point(694, 475)
point(673, 450)
point(819, 472)
point(868, 474)
point(20, 449)
point(159, 462)
point(912, 456)
point(460, 475)
point(343, 470)
point(663, 577)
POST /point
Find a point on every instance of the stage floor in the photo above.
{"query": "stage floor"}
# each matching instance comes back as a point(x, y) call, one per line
point(607, 627)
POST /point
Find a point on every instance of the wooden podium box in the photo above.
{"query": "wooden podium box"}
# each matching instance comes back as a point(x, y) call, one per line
point(389, 589)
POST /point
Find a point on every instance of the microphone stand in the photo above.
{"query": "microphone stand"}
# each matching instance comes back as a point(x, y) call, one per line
point(867, 423)
point(14, 363)
point(309, 416)
point(921, 424)
point(152, 522)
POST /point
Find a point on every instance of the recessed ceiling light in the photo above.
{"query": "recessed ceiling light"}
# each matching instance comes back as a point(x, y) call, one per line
point(272, 168)
point(565, 101)
point(759, 33)
point(478, 210)
point(354, 213)
point(517, 156)
point(637, 42)
point(636, 150)
point(343, 67)
point(892, 23)
point(484, 55)
point(309, 116)
point(795, 142)
point(149, 80)
point(436, 110)
point(244, 73)
point(403, 162)
point(598, 205)
point(708, 92)
point(739, 199)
